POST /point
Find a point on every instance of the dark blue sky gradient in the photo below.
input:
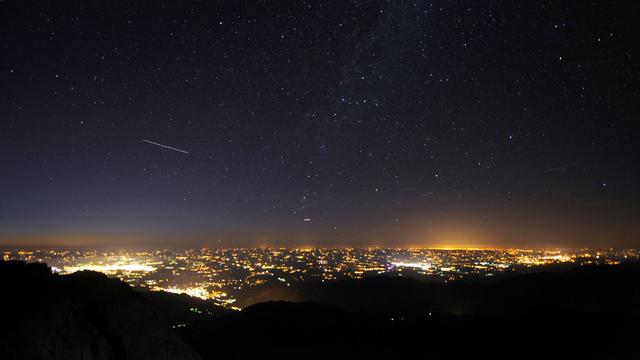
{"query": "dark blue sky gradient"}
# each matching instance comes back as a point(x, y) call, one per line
point(379, 121)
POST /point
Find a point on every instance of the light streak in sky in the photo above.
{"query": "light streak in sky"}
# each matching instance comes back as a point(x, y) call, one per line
point(165, 146)
point(561, 167)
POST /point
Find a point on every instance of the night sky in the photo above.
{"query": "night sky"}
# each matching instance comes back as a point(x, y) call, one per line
point(328, 123)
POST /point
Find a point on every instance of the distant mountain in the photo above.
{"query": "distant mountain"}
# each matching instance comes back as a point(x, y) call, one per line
point(583, 311)
point(80, 316)
point(577, 289)
point(180, 309)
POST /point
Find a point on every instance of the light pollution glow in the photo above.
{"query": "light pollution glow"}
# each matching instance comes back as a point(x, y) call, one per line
point(198, 292)
point(423, 266)
point(226, 276)
point(110, 268)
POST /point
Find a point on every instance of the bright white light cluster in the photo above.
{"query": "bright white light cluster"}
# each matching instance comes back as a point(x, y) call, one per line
point(110, 268)
point(198, 292)
point(418, 265)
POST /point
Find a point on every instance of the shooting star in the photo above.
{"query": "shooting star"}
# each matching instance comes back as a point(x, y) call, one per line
point(408, 189)
point(561, 167)
point(165, 146)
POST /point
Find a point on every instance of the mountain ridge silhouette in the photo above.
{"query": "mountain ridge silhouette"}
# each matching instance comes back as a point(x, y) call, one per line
point(577, 311)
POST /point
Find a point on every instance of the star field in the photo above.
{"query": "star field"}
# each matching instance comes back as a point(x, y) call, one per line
point(318, 121)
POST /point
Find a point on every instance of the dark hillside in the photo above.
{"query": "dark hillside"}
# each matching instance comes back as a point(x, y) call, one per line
point(582, 311)
point(80, 316)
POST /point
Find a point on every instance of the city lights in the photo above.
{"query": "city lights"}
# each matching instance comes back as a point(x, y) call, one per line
point(225, 275)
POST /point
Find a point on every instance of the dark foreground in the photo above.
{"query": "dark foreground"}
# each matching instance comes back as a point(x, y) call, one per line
point(580, 311)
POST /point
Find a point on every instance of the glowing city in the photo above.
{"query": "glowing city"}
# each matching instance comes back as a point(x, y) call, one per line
point(225, 275)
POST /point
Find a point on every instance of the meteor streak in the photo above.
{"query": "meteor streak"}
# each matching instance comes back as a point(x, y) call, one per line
point(561, 167)
point(165, 146)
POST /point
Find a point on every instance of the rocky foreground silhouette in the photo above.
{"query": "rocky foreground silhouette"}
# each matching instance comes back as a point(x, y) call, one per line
point(84, 315)
point(579, 311)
